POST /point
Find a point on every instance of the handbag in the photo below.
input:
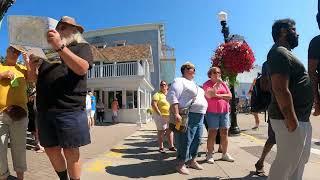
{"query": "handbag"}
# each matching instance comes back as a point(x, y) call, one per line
point(16, 113)
point(182, 126)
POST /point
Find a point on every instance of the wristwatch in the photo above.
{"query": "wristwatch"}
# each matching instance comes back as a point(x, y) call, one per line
point(61, 48)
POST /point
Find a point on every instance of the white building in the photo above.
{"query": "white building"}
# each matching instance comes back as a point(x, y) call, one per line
point(123, 72)
point(245, 80)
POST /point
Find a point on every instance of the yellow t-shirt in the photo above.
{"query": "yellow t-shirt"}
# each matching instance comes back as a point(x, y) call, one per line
point(13, 95)
point(162, 103)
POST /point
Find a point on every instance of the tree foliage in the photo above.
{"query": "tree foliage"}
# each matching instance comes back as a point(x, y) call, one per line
point(4, 6)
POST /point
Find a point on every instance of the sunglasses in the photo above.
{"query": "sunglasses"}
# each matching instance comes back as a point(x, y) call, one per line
point(163, 84)
point(63, 27)
point(194, 70)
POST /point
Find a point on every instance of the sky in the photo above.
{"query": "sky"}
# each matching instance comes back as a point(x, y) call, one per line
point(192, 27)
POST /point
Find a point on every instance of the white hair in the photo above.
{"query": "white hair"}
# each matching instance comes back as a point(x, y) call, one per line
point(76, 37)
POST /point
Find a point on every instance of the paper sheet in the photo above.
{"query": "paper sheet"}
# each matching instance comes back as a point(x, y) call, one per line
point(30, 30)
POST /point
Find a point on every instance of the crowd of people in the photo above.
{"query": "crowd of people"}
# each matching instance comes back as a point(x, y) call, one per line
point(64, 110)
point(289, 112)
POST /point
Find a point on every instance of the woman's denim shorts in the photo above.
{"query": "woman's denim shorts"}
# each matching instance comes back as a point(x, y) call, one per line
point(64, 129)
point(218, 120)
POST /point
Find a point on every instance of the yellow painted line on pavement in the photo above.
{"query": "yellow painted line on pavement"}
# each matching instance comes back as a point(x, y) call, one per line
point(113, 155)
point(116, 152)
point(253, 138)
point(98, 166)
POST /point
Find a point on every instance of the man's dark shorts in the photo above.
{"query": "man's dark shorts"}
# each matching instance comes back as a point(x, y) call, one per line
point(271, 136)
point(64, 129)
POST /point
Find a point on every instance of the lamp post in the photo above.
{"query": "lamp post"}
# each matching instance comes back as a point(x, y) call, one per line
point(234, 128)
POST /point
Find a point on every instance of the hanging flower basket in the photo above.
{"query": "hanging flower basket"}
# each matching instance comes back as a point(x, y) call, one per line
point(233, 57)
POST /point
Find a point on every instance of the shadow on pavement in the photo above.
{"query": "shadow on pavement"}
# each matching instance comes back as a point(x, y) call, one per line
point(252, 175)
point(206, 178)
point(158, 156)
point(143, 144)
point(155, 137)
point(104, 124)
point(144, 153)
point(317, 143)
point(143, 170)
point(132, 151)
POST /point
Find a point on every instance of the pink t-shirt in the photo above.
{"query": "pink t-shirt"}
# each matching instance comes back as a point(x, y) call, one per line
point(216, 105)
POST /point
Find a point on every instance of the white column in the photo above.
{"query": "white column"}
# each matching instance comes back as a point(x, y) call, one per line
point(114, 69)
point(139, 122)
point(106, 98)
point(138, 69)
point(101, 69)
point(100, 95)
point(145, 100)
point(124, 99)
point(93, 71)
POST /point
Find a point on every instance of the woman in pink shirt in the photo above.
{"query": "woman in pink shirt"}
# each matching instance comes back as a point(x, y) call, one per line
point(218, 95)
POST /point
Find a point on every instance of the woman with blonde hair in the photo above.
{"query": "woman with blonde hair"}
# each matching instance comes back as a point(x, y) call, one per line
point(218, 95)
point(161, 107)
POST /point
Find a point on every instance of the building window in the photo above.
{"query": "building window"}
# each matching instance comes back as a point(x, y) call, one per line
point(119, 97)
point(110, 98)
point(131, 99)
point(112, 95)
point(135, 99)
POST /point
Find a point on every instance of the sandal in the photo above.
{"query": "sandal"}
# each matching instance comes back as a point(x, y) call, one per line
point(173, 149)
point(39, 150)
point(259, 168)
point(161, 150)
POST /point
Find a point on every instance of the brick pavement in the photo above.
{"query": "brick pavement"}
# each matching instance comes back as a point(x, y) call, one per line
point(102, 137)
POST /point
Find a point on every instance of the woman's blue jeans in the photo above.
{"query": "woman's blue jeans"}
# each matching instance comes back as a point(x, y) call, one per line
point(187, 143)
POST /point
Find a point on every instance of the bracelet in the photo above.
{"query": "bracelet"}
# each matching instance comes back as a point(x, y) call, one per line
point(61, 48)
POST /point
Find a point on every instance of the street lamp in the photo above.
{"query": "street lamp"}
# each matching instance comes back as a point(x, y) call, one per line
point(234, 128)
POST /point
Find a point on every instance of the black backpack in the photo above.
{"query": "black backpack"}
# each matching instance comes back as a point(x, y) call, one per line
point(261, 96)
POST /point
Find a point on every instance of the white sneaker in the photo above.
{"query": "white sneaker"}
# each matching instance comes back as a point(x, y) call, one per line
point(227, 157)
point(209, 159)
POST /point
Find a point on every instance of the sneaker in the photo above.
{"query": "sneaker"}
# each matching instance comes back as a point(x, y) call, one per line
point(255, 128)
point(209, 159)
point(183, 170)
point(195, 165)
point(227, 157)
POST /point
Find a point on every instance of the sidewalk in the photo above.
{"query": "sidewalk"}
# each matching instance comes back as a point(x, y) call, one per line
point(137, 156)
point(103, 138)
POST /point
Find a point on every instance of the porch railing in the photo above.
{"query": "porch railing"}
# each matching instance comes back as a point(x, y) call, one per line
point(116, 70)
